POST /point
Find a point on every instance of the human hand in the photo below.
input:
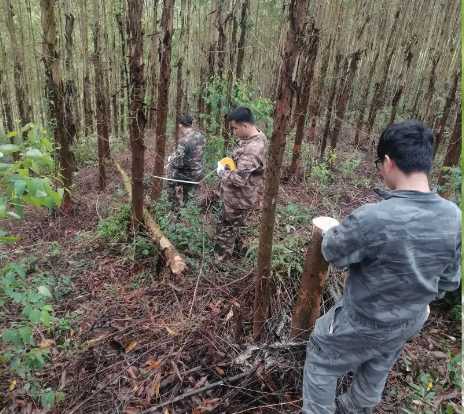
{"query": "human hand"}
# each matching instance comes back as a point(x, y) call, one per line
point(220, 168)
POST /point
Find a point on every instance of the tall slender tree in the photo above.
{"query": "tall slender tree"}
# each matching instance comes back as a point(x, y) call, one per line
point(101, 99)
point(163, 98)
point(297, 17)
point(137, 113)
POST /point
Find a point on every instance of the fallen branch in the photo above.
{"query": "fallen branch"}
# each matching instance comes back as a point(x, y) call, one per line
point(169, 252)
point(225, 381)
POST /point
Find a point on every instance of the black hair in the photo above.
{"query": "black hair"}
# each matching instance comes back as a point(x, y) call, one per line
point(185, 120)
point(409, 144)
point(241, 114)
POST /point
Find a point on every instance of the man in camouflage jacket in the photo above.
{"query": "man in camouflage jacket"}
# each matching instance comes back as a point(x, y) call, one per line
point(186, 162)
point(239, 188)
point(402, 253)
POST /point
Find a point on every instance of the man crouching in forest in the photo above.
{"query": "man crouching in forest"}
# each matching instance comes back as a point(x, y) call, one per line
point(239, 188)
point(186, 162)
point(402, 254)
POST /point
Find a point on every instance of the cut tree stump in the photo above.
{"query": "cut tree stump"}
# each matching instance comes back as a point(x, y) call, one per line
point(168, 251)
point(312, 283)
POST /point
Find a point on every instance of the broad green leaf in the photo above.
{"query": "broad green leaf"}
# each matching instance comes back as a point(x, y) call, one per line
point(26, 335)
point(45, 317)
point(9, 148)
point(20, 186)
point(7, 336)
point(32, 135)
point(1, 154)
point(46, 142)
point(34, 185)
point(44, 291)
point(27, 127)
point(23, 172)
point(48, 308)
point(11, 134)
point(56, 198)
point(61, 193)
point(2, 211)
point(46, 185)
point(34, 316)
point(12, 215)
point(40, 194)
point(47, 399)
point(33, 297)
point(27, 309)
point(34, 153)
point(48, 202)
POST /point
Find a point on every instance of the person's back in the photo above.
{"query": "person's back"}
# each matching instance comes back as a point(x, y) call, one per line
point(192, 147)
point(402, 254)
point(409, 243)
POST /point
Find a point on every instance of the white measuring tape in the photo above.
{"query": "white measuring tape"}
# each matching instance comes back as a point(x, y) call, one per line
point(184, 181)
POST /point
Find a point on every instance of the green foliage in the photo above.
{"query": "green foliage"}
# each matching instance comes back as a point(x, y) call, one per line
point(453, 180)
point(289, 246)
point(241, 95)
point(26, 358)
point(427, 385)
point(29, 179)
point(187, 232)
point(114, 227)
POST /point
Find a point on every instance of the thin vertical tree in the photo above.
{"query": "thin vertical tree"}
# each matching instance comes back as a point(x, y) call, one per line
point(450, 98)
point(86, 84)
point(452, 156)
point(304, 95)
point(153, 82)
point(52, 64)
point(163, 98)
point(22, 98)
point(297, 20)
point(242, 39)
point(101, 99)
point(70, 126)
point(137, 113)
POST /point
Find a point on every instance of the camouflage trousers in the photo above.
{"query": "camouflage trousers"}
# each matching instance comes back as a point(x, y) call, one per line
point(188, 190)
point(229, 233)
point(343, 341)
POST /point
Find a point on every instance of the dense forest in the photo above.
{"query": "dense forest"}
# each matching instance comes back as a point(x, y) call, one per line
point(111, 301)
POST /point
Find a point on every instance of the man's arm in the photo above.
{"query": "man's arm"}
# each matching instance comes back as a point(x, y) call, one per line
point(344, 244)
point(245, 165)
point(451, 277)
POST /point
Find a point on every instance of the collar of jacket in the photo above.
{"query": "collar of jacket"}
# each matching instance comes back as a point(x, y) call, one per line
point(403, 193)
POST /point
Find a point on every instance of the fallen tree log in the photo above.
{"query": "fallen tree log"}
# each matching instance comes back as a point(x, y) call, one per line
point(168, 251)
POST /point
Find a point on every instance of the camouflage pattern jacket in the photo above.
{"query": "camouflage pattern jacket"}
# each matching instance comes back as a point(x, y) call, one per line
point(187, 159)
point(402, 254)
point(239, 188)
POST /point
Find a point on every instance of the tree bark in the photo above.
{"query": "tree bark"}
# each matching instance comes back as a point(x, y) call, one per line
point(163, 98)
point(453, 154)
point(431, 88)
point(297, 13)
point(242, 40)
point(342, 97)
point(180, 62)
point(86, 84)
point(308, 303)
point(22, 98)
point(5, 95)
point(137, 113)
point(328, 119)
point(303, 98)
point(70, 126)
point(101, 101)
point(450, 98)
point(124, 71)
point(51, 57)
point(153, 84)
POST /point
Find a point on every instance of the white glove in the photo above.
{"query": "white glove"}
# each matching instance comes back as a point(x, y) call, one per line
point(220, 168)
point(169, 159)
point(428, 312)
point(325, 223)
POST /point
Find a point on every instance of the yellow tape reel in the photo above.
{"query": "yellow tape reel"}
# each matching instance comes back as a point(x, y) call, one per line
point(228, 162)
